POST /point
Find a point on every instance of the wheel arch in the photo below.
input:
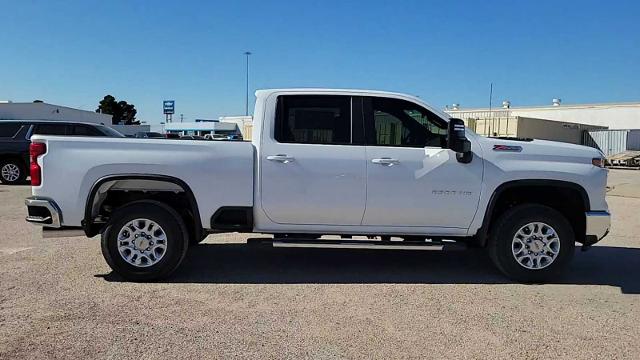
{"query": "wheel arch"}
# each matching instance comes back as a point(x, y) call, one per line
point(537, 184)
point(160, 183)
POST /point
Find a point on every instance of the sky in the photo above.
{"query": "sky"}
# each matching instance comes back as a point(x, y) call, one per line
point(73, 53)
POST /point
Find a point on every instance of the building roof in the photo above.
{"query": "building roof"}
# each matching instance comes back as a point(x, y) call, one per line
point(552, 107)
point(45, 111)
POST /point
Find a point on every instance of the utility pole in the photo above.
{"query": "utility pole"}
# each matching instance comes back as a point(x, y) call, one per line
point(246, 101)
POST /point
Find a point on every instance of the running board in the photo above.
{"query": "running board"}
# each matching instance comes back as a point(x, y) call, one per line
point(362, 244)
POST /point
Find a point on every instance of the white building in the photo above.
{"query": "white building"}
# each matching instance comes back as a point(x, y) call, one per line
point(43, 111)
point(244, 123)
point(611, 115)
point(202, 128)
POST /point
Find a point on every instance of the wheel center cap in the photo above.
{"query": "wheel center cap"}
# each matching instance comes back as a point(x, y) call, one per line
point(537, 245)
point(142, 243)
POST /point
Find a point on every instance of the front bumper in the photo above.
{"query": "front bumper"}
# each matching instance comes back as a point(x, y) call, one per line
point(43, 211)
point(598, 225)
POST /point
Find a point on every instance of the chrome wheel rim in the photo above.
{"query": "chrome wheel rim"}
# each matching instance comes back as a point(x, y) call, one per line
point(10, 172)
point(535, 246)
point(142, 242)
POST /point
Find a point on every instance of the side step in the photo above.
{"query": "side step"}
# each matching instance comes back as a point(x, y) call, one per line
point(360, 244)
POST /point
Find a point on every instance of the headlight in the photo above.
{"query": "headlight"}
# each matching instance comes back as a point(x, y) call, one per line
point(599, 162)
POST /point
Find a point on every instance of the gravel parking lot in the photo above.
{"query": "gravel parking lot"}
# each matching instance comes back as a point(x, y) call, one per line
point(59, 299)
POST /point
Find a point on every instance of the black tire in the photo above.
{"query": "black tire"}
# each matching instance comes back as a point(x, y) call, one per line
point(176, 240)
point(16, 164)
point(506, 227)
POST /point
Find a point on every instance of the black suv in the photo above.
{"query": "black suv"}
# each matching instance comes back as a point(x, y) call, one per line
point(14, 142)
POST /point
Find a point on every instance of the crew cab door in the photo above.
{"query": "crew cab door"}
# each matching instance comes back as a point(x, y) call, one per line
point(313, 162)
point(412, 178)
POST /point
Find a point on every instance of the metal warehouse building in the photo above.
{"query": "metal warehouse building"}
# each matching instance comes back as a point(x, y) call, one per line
point(607, 115)
point(43, 111)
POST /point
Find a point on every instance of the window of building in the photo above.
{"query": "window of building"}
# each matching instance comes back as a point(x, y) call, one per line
point(313, 119)
point(402, 123)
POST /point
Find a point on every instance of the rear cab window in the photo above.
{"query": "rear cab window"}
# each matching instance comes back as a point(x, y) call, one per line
point(314, 119)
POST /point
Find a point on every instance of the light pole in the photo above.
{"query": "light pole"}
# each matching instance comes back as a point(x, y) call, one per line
point(246, 101)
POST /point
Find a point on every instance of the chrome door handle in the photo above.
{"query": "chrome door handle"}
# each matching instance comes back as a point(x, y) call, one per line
point(281, 158)
point(386, 161)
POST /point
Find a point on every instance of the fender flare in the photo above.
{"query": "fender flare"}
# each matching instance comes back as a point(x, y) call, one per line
point(481, 234)
point(91, 230)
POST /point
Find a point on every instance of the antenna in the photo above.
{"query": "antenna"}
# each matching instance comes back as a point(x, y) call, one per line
point(490, 105)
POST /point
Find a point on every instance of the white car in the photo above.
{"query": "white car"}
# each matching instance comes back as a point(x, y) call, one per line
point(339, 162)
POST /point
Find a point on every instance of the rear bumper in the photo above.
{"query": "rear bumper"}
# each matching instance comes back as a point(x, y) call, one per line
point(43, 211)
point(598, 225)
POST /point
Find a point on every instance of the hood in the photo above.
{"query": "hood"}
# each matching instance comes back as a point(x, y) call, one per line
point(538, 149)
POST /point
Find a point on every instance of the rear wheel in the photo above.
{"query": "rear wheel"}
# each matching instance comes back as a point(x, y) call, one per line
point(12, 172)
point(531, 243)
point(144, 241)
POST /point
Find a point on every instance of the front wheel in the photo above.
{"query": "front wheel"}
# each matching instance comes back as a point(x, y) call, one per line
point(144, 241)
point(531, 243)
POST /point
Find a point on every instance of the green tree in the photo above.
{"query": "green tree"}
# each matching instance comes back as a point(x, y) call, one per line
point(122, 112)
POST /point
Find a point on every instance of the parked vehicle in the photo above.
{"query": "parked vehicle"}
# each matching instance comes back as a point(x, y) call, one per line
point(171, 136)
point(215, 137)
point(340, 162)
point(149, 135)
point(192, 137)
point(234, 137)
point(14, 142)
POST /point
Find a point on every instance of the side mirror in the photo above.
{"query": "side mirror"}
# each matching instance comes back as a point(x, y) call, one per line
point(458, 142)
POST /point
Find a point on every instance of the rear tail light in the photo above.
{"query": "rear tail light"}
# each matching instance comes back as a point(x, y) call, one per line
point(35, 150)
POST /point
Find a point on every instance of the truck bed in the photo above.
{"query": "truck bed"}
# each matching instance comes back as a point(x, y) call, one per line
point(219, 173)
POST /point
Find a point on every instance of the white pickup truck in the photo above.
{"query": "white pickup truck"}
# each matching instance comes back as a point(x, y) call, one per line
point(351, 163)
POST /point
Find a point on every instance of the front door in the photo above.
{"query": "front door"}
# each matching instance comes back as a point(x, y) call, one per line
point(312, 167)
point(413, 180)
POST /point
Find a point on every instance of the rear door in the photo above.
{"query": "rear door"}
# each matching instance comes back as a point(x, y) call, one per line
point(413, 180)
point(313, 162)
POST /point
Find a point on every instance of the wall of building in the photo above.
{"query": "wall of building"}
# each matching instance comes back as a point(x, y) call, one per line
point(244, 123)
point(523, 127)
point(552, 130)
point(44, 111)
point(612, 142)
point(612, 116)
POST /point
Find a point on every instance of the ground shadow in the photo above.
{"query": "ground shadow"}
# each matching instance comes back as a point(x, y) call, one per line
point(259, 264)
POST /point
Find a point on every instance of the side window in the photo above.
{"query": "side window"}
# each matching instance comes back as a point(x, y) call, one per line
point(9, 130)
point(50, 129)
point(313, 119)
point(83, 130)
point(395, 122)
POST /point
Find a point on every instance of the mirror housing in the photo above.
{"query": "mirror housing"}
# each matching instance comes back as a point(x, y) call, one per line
point(457, 140)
